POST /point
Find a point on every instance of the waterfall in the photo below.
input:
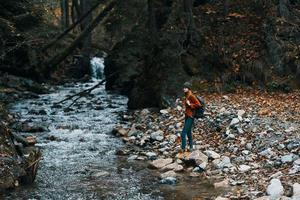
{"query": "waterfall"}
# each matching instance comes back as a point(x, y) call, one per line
point(97, 68)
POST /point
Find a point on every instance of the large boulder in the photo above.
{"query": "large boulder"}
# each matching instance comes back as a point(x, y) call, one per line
point(197, 158)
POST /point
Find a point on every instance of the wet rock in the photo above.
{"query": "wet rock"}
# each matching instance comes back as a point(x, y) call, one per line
point(222, 184)
point(174, 166)
point(160, 163)
point(275, 189)
point(120, 132)
point(158, 135)
point(100, 174)
point(31, 128)
point(151, 155)
point(170, 173)
point(133, 157)
point(169, 181)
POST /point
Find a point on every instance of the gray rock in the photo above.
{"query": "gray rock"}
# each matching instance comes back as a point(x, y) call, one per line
point(296, 191)
point(276, 175)
point(268, 153)
point(133, 157)
point(203, 165)
point(240, 130)
point(164, 112)
point(224, 161)
point(287, 158)
point(241, 113)
point(100, 174)
point(234, 121)
point(158, 135)
point(244, 168)
point(160, 163)
point(198, 157)
point(151, 155)
point(170, 173)
point(222, 198)
point(275, 189)
point(174, 166)
point(295, 169)
point(212, 154)
point(297, 162)
point(169, 181)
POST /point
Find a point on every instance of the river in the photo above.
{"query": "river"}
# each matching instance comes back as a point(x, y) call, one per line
point(79, 152)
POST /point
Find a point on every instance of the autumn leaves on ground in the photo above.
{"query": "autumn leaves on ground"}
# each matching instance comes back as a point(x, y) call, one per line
point(248, 144)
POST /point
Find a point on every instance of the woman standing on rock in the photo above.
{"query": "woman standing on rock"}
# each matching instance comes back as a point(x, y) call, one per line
point(190, 103)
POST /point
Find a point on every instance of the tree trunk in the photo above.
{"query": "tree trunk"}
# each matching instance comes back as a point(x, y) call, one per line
point(50, 44)
point(188, 11)
point(87, 41)
point(59, 57)
point(226, 7)
point(65, 13)
point(152, 21)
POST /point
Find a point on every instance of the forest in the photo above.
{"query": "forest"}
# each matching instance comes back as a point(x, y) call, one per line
point(100, 99)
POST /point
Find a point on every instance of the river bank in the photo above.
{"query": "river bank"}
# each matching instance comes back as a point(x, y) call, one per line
point(248, 144)
point(81, 158)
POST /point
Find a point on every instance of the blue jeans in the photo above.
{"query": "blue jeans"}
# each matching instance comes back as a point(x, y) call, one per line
point(187, 131)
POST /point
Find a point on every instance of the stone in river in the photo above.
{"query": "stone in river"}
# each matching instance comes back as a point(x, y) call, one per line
point(169, 180)
point(160, 163)
point(170, 173)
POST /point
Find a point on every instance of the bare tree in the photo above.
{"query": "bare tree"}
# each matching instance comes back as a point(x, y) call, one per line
point(65, 14)
point(87, 41)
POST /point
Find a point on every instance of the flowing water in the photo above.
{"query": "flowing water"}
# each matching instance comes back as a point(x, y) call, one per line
point(79, 160)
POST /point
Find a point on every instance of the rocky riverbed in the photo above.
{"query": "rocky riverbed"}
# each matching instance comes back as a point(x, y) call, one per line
point(247, 144)
point(81, 158)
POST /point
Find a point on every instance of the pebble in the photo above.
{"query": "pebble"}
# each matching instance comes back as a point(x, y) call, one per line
point(275, 189)
point(244, 168)
point(234, 121)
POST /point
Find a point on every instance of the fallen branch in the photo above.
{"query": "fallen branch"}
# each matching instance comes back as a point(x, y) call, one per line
point(85, 92)
point(81, 93)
